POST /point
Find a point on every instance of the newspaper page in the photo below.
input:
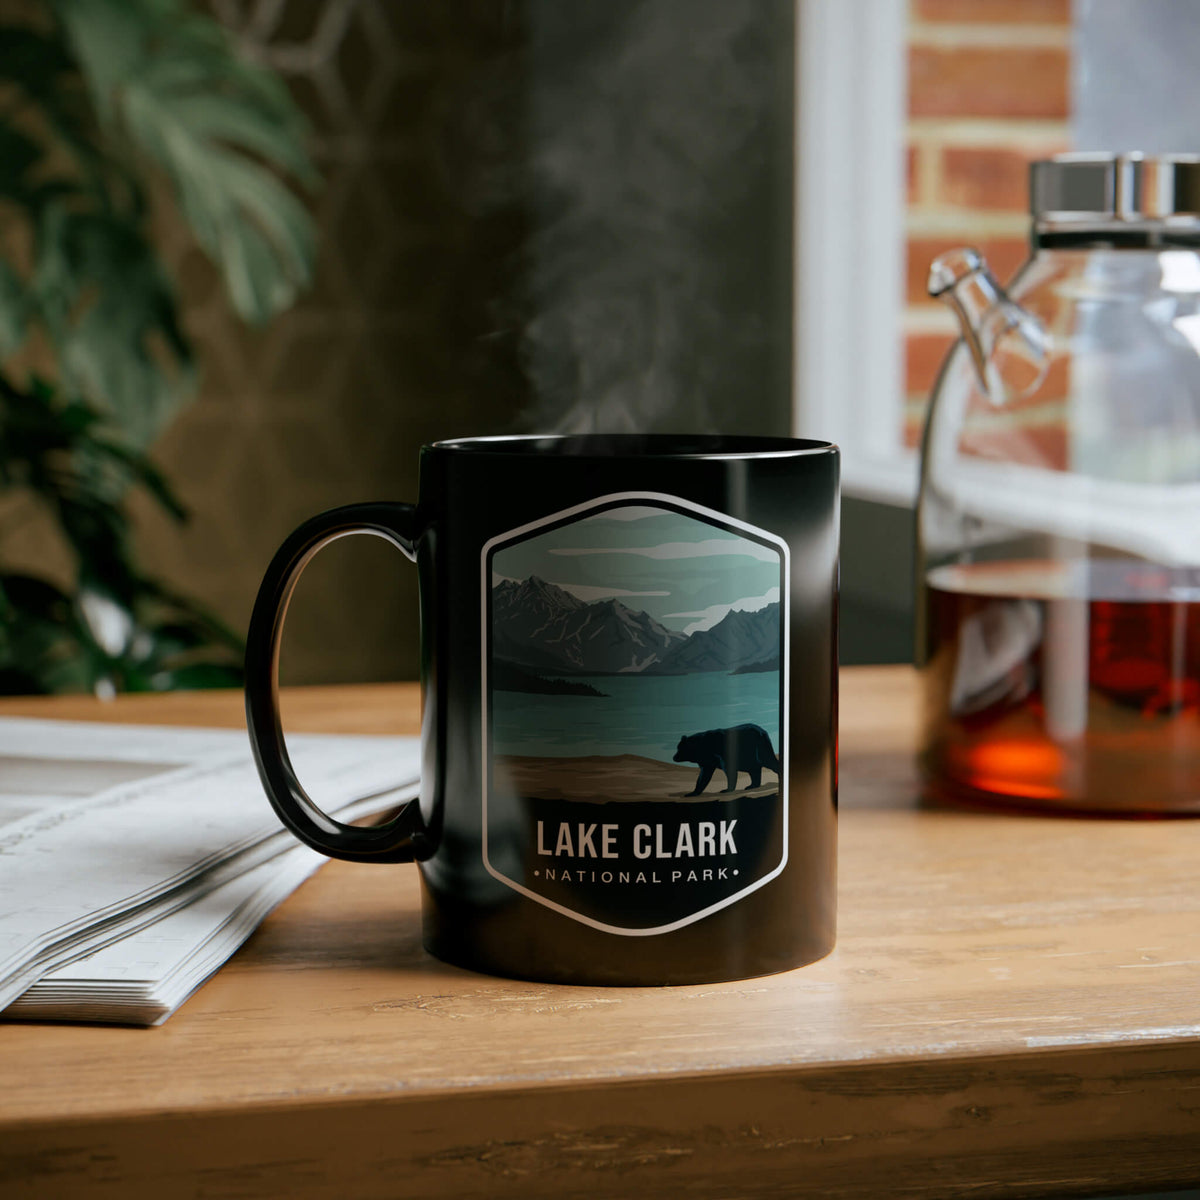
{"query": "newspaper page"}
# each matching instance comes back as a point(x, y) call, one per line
point(142, 978)
point(106, 830)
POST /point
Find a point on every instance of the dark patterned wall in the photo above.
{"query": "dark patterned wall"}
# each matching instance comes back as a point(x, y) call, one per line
point(536, 214)
point(397, 344)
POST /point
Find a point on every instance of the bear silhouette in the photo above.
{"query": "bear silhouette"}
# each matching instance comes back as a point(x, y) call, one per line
point(739, 748)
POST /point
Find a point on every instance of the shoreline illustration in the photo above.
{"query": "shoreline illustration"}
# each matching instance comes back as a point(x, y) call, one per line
point(614, 779)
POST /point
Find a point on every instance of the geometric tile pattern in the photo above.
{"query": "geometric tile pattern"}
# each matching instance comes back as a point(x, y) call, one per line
point(447, 132)
point(329, 403)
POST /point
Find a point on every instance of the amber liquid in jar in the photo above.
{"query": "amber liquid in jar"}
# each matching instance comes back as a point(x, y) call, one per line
point(1070, 686)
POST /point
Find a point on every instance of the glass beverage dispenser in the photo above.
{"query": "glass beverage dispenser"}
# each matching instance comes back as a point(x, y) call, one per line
point(1059, 510)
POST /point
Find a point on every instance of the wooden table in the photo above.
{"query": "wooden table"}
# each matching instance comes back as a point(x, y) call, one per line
point(1013, 1009)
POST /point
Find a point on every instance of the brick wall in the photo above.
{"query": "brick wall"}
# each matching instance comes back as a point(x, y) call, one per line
point(988, 92)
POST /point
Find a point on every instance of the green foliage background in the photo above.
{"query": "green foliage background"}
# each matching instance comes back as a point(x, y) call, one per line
point(105, 104)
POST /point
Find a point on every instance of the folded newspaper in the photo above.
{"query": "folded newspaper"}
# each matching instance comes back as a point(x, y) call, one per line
point(134, 860)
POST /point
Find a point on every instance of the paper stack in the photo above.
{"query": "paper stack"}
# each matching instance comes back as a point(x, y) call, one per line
point(135, 860)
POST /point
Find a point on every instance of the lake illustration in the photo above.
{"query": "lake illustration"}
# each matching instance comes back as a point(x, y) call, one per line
point(635, 655)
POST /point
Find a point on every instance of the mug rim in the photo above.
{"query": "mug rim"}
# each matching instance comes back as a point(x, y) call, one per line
point(608, 446)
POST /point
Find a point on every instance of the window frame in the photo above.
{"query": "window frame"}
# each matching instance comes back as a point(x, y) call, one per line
point(850, 189)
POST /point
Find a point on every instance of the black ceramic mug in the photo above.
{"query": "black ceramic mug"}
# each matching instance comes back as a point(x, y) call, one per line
point(629, 684)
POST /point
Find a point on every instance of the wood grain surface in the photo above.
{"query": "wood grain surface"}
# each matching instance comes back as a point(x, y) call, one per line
point(1013, 1009)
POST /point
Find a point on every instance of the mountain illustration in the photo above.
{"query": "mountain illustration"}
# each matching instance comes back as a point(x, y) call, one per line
point(738, 640)
point(542, 627)
point(538, 625)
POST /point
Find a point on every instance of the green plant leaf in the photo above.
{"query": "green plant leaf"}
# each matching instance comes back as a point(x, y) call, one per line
point(111, 313)
point(47, 643)
point(18, 154)
point(14, 310)
point(41, 72)
point(142, 471)
point(65, 456)
point(107, 38)
point(173, 87)
point(42, 648)
point(91, 103)
point(33, 61)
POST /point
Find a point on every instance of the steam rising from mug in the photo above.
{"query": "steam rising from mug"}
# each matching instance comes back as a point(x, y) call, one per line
point(657, 271)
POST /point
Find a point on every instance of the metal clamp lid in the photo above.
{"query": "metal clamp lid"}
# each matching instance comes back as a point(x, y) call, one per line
point(1105, 188)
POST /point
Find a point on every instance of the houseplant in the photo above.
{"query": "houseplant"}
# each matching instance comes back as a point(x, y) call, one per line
point(111, 111)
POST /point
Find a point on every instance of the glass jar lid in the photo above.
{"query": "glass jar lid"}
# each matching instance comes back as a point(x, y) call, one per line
point(1102, 189)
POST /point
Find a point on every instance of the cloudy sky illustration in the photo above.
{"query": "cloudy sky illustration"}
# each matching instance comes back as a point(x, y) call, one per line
point(684, 572)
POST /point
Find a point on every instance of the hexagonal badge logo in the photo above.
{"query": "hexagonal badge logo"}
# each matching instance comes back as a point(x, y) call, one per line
point(635, 653)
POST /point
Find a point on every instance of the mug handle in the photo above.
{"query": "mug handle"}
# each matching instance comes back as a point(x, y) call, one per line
point(400, 839)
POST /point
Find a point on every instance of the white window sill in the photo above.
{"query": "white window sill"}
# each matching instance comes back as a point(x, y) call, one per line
point(891, 480)
point(850, 189)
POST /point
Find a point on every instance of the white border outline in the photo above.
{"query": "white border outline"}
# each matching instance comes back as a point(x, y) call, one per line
point(484, 743)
